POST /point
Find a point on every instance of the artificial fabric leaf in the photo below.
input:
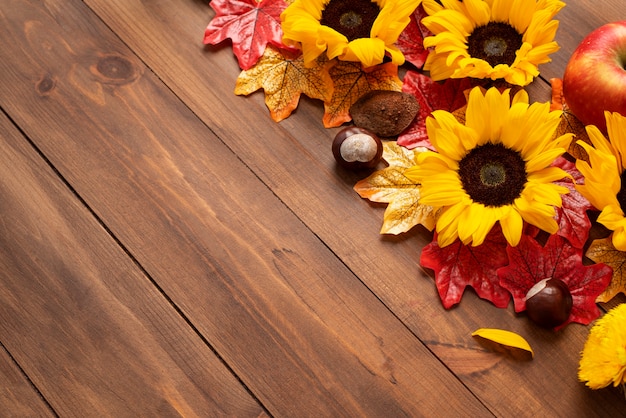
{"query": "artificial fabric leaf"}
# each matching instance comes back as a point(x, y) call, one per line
point(391, 186)
point(504, 341)
point(529, 263)
point(574, 224)
point(603, 251)
point(431, 95)
point(250, 24)
point(284, 78)
point(410, 41)
point(457, 266)
point(569, 122)
point(351, 81)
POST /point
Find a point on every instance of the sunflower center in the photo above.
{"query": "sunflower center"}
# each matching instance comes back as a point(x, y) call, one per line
point(621, 195)
point(495, 42)
point(352, 18)
point(493, 174)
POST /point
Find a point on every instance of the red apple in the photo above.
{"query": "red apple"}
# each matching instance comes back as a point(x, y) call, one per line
point(595, 76)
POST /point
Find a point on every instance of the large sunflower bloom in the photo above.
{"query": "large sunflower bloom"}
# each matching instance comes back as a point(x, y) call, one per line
point(351, 30)
point(496, 39)
point(494, 168)
point(603, 360)
point(605, 178)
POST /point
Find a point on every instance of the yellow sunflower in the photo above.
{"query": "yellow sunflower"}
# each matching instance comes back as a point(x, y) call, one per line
point(351, 30)
point(603, 360)
point(496, 39)
point(494, 168)
point(605, 177)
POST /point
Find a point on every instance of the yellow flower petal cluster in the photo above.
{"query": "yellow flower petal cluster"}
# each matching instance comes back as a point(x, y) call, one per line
point(603, 360)
point(607, 159)
point(453, 21)
point(492, 118)
point(301, 26)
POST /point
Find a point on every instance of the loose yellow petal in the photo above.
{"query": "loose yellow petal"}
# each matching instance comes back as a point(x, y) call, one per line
point(504, 341)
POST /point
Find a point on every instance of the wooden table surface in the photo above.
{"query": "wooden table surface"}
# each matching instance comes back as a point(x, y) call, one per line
point(166, 249)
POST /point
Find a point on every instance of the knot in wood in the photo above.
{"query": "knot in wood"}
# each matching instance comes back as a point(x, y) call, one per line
point(115, 69)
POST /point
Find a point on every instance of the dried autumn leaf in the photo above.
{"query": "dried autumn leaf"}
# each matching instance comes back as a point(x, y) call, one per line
point(529, 263)
point(250, 24)
point(504, 341)
point(574, 224)
point(603, 251)
point(284, 78)
point(411, 40)
point(457, 266)
point(351, 81)
point(391, 186)
point(431, 95)
point(569, 122)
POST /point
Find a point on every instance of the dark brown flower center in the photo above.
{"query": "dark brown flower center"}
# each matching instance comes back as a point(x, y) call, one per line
point(621, 195)
point(352, 18)
point(493, 174)
point(495, 42)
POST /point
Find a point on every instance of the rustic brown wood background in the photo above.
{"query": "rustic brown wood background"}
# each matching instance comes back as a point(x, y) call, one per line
point(168, 250)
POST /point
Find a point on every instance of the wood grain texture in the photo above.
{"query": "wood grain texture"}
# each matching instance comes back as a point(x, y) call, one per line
point(301, 331)
point(241, 226)
point(18, 397)
point(87, 326)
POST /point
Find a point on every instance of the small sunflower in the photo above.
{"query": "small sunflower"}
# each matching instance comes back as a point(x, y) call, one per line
point(496, 39)
point(494, 168)
point(603, 360)
point(605, 177)
point(352, 30)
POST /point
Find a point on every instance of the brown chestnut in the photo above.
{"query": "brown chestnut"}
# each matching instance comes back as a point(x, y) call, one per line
point(357, 148)
point(549, 302)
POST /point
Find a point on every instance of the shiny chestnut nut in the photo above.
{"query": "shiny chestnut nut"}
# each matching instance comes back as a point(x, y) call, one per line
point(357, 148)
point(549, 302)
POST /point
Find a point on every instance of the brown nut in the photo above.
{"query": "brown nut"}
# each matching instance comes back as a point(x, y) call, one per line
point(357, 148)
point(549, 302)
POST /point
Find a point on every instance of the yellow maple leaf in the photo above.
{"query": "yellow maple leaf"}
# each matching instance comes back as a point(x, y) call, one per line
point(391, 186)
point(351, 81)
point(569, 122)
point(603, 251)
point(284, 77)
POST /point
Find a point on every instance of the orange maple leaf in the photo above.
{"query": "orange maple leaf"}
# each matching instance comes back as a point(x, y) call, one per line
point(351, 81)
point(284, 78)
point(390, 185)
point(603, 251)
point(569, 122)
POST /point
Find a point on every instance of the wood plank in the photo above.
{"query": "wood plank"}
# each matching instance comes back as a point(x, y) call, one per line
point(300, 330)
point(88, 327)
point(18, 397)
point(293, 158)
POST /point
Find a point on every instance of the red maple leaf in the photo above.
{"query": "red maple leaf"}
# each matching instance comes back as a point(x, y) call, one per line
point(457, 266)
point(250, 24)
point(574, 224)
point(411, 40)
point(431, 95)
point(530, 263)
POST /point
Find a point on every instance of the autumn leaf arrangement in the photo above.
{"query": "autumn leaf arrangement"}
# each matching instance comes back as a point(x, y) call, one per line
point(504, 184)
